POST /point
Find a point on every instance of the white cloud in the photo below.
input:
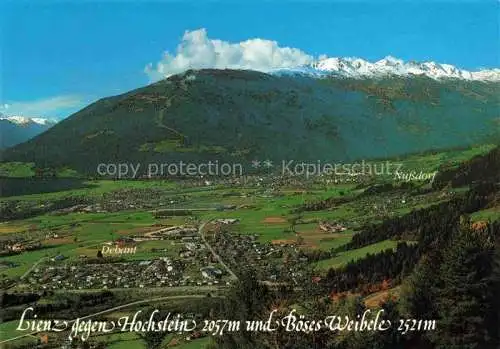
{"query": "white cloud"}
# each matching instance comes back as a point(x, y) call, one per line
point(49, 107)
point(197, 51)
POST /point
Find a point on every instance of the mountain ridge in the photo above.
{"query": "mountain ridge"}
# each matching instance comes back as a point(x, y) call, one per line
point(24, 120)
point(16, 129)
point(238, 115)
point(354, 67)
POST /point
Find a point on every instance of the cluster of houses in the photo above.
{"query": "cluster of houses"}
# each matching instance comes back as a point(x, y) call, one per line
point(183, 233)
point(331, 227)
point(211, 272)
point(83, 208)
point(193, 266)
point(123, 199)
point(14, 247)
point(274, 263)
point(160, 272)
point(227, 221)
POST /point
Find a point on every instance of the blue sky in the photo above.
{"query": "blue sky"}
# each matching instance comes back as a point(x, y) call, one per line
point(57, 56)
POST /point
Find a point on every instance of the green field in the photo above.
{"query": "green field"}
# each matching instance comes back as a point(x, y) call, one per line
point(196, 344)
point(490, 214)
point(347, 256)
point(122, 341)
point(9, 330)
point(93, 188)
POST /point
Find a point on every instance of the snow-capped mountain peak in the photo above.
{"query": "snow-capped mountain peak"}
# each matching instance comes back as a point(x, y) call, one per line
point(15, 129)
point(390, 61)
point(25, 120)
point(360, 68)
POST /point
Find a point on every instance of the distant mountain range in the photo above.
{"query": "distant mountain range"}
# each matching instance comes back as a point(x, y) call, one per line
point(17, 129)
point(238, 116)
point(390, 66)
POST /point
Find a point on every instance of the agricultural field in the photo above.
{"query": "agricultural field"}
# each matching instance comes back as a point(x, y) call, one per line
point(352, 255)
